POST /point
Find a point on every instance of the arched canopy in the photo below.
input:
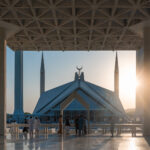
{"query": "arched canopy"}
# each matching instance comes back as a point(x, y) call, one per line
point(70, 98)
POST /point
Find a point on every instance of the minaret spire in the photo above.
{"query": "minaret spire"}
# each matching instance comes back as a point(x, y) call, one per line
point(42, 76)
point(18, 91)
point(116, 76)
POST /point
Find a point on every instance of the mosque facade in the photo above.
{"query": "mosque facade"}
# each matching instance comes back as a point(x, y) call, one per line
point(103, 103)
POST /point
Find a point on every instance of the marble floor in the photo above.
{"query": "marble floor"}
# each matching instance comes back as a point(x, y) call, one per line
point(72, 142)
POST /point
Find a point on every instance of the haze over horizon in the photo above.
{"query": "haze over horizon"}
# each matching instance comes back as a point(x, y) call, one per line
point(60, 67)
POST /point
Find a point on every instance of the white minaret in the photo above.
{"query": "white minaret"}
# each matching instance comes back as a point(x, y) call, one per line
point(18, 90)
point(116, 76)
point(42, 76)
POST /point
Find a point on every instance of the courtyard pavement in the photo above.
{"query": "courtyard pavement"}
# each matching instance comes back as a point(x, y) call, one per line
point(72, 142)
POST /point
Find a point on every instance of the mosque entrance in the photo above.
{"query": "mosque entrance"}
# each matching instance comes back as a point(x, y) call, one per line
point(69, 100)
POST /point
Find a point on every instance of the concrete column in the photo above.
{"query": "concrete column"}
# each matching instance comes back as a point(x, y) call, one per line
point(2, 143)
point(146, 83)
point(139, 89)
point(2, 82)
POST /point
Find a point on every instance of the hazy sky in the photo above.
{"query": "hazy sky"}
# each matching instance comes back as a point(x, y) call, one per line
point(98, 67)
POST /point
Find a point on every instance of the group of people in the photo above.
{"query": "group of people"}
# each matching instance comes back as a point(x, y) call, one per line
point(34, 124)
point(80, 124)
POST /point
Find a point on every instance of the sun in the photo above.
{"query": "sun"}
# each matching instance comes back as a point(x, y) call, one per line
point(137, 82)
point(128, 81)
point(127, 86)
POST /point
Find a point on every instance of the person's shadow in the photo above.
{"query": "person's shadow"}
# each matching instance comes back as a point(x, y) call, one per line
point(31, 145)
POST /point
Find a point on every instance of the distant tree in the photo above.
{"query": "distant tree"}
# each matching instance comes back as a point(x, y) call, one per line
point(27, 113)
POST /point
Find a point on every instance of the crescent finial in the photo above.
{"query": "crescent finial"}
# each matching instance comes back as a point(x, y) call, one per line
point(79, 70)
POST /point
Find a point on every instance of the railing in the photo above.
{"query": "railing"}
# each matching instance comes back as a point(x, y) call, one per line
point(120, 128)
point(103, 128)
point(44, 128)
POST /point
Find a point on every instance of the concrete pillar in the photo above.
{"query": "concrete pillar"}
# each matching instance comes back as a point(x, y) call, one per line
point(2, 83)
point(139, 89)
point(146, 83)
point(2, 143)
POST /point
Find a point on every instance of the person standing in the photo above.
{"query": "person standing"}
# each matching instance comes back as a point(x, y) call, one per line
point(13, 129)
point(67, 124)
point(76, 124)
point(81, 124)
point(60, 124)
point(85, 126)
point(31, 123)
point(36, 125)
point(25, 129)
point(112, 126)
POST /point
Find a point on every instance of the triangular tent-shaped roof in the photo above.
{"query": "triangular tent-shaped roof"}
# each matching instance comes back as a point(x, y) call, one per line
point(93, 94)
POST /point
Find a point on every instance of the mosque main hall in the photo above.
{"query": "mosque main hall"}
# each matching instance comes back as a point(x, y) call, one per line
point(79, 97)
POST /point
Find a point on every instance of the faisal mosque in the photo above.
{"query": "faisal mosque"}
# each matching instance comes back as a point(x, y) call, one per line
point(79, 97)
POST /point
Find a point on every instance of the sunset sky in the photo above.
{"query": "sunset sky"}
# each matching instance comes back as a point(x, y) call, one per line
point(98, 67)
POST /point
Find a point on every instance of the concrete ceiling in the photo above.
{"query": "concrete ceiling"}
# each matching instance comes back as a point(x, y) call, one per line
point(74, 24)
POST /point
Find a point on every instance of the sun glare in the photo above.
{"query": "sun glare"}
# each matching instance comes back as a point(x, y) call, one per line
point(137, 82)
point(128, 84)
point(128, 81)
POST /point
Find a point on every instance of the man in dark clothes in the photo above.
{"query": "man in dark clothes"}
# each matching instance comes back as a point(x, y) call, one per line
point(85, 126)
point(60, 125)
point(112, 126)
point(81, 124)
point(67, 124)
point(76, 124)
point(25, 129)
